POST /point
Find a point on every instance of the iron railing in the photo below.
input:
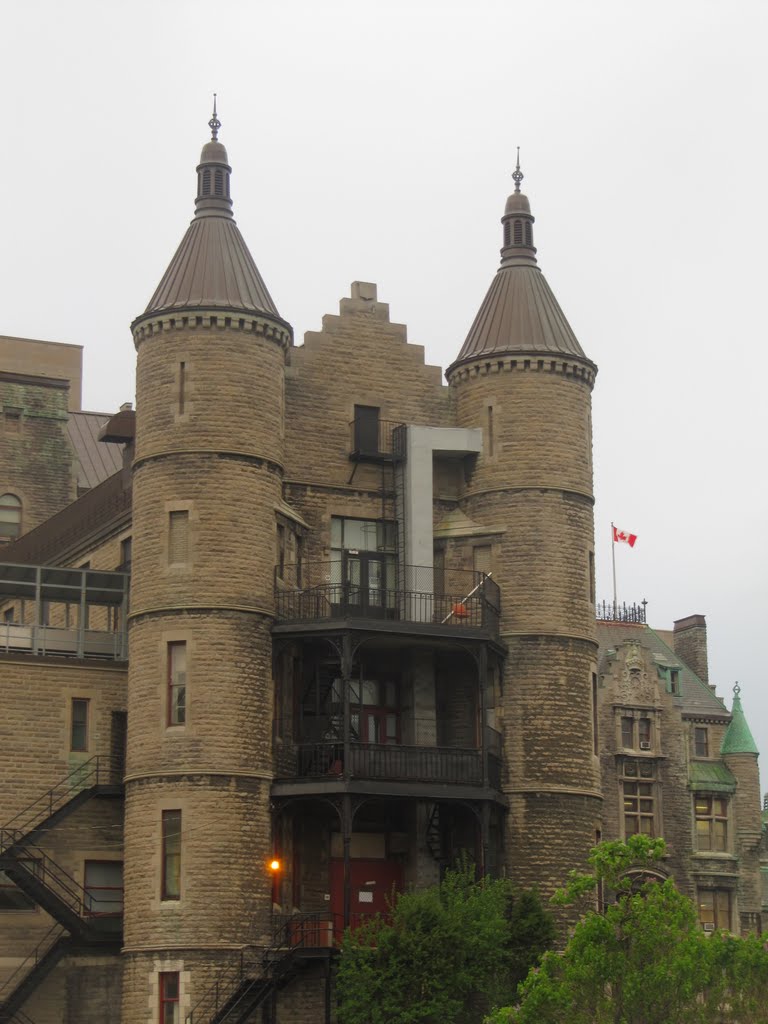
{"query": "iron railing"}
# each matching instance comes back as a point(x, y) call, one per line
point(455, 599)
point(289, 934)
point(99, 770)
point(75, 642)
point(383, 441)
point(320, 754)
point(612, 611)
point(41, 950)
point(38, 866)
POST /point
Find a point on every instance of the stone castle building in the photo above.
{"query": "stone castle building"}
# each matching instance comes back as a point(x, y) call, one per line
point(362, 640)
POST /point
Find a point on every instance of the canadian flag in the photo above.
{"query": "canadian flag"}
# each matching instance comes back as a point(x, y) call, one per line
point(622, 537)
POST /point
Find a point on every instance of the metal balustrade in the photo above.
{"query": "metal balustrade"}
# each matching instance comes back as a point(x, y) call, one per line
point(453, 599)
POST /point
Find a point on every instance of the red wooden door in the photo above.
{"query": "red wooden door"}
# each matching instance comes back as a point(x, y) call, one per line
point(371, 882)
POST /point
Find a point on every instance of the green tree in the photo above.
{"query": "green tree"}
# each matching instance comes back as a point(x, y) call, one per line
point(444, 955)
point(645, 959)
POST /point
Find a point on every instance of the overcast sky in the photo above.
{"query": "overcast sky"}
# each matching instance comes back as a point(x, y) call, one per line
point(375, 141)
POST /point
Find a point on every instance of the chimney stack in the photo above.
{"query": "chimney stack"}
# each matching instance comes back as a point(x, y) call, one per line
point(690, 642)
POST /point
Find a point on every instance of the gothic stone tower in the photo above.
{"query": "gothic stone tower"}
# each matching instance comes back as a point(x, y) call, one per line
point(207, 478)
point(523, 377)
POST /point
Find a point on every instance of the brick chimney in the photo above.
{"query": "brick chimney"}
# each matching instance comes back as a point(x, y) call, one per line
point(690, 642)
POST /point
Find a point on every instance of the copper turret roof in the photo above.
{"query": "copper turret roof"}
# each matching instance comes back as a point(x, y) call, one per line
point(212, 267)
point(519, 315)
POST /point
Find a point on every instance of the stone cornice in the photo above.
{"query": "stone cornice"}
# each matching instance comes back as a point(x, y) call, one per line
point(178, 609)
point(168, 321)
point(583, 371)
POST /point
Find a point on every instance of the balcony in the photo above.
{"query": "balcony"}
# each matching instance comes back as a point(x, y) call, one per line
point(371, 587)
point(373, 439)
point(447, 764)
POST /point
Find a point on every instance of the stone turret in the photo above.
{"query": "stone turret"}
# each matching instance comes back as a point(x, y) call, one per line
point(739, 751)
point(523, 377)
point(207, 477)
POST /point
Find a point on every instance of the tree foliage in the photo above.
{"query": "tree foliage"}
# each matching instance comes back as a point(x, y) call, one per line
point(645, 959)
point(444, 955)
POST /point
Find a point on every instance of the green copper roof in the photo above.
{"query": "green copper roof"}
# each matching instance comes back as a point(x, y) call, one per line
point(712, 776)
point(738, 739)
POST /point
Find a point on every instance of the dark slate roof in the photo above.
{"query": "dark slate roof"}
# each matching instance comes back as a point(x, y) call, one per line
point(696, 698)
point(520, 314)
point(212, 268)
point(96, 460)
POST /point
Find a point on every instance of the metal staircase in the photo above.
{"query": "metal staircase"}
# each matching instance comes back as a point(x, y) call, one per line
point(29, 974)
point(99, 776)
point(246, 984)
point(75, 910)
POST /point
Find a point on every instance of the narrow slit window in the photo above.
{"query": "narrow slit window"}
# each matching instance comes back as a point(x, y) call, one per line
point(78, 737)
point(177, 683)
point(490, 430)
point(595, 743)
point(169, 998)
point(182, 387)
point(171, 855)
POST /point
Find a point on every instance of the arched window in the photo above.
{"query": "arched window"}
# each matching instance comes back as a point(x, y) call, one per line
point(518, 232)
point(10, 518)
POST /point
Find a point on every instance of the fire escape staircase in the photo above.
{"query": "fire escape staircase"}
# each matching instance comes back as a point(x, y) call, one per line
point(78, 925)
point(246, 984)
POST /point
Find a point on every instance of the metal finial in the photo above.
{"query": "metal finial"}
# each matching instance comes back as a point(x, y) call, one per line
point(517, 174)
point(214, 124)
point(736, 689)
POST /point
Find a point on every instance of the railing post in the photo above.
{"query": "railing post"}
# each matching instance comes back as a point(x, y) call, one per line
point(482, 669)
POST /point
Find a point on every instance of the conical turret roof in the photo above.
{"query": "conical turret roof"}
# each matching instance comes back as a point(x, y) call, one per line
point(738, 738)
point(520, 314)
point(212, 267)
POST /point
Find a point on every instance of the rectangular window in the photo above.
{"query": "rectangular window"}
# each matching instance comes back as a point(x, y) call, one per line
point(12, 421)
point(490, 430)
point(366, 439)
point(644, 733)
point(591, 570)
point(182, 387)
point(711, 823)
point(171, 855)
point(169, 998)
point(177, 682)
point(103, 884)
point(701, 741)
point(674, 680)
point(714, 909)
point(178, 537)
point(628, 732)
point(280, 550)
point(78, 735)
point(639, 792)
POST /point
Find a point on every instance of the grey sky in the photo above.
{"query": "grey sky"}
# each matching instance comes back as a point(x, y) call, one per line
point(374, 141)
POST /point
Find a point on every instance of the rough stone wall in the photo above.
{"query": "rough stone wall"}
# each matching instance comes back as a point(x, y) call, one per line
point(36, 459)
point(209, 443)
point(532, 488)
point(690, 643)
point(747, 826)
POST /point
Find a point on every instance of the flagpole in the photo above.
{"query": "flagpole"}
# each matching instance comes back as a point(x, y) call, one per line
point(613, 559)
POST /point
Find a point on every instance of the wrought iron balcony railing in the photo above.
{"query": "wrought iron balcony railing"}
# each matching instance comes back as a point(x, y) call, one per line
point(375, 440)
point(323, 757)
point(611, 611)
point(373, 588)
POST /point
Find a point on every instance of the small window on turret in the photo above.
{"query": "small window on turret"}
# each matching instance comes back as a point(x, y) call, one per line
point(219, 183)
point(206, 182)
point(518, 232)
point(528, 235)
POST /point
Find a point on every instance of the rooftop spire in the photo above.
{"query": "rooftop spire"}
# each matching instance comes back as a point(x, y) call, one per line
point(214, 124)
point(738, 738)
point(517, 174)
